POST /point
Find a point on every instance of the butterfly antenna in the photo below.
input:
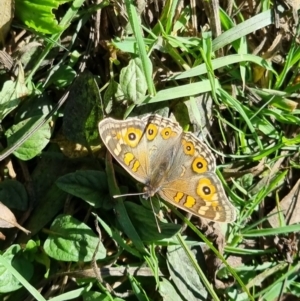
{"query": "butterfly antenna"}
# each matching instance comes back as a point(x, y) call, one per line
point(127, 194)
point(156, 221)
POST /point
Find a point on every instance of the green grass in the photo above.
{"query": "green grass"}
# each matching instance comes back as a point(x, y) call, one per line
point(243, 105)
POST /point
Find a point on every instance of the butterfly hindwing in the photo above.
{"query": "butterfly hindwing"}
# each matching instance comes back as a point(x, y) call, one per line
point(174, 164)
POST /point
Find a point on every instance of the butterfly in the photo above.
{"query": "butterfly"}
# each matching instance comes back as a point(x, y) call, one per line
point(172, 163)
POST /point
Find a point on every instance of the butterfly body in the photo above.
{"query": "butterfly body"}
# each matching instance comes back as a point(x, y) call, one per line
point(171, 163)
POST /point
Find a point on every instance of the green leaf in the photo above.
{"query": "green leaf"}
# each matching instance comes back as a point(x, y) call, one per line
point(13, 194)
point(63, 77)
point(133, 82)
point(223, 62)
point(271, 231)
point(72, 240)
point(113, 92)
point(39, 15)
point(184, 274)
point(167, 291)
point(34, 144)
point(97, 296)
point(90, 185)
point(257, 22)
point(33, 252)
point(144, 221)
point(92, 296)
point(8, 282)
point(11, 93)
point(145, 62)
point(8, 99)
point(83, 111)
point(180, 91)
point(116, 236)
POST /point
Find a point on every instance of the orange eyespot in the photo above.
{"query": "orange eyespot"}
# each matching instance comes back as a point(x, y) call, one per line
point(166, 133)
point(132, 136)
point(151, 131)
point(206, 190)
point(188, 147)
point(199, 165)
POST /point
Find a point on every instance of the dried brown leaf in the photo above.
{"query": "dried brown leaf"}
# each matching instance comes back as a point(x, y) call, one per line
point(2, 236)
point(290, 207)
point(8, 220)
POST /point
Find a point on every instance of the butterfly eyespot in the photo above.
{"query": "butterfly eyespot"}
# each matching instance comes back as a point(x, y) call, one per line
point(180, 170)
point(199, 165)
point(151, 131)
point(188, 147)
point(132, 137)
point(207, 190)
point(166, 133)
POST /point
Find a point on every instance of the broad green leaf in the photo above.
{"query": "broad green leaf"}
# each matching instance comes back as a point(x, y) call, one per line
point(8, 283)
point(168, 292)
point(13, 194)
point(72, 240)
point(11, 94)
point(63, 77)
point(184, 275)
point(133, 82)
point(32, 146)
point(97, 296)
point(36, 106)
point(112, 93)
point(144, 221)
point(90, 185)
point(39, 14)
point(33, 253)
point(83, 111)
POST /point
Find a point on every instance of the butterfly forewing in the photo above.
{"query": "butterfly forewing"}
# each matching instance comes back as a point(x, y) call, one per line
point(174, 164)
point(126, 142)
point(162, 137)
